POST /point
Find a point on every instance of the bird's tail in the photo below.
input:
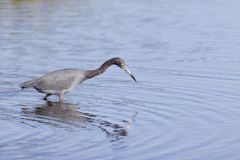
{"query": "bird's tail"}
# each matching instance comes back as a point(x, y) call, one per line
point(28, 84)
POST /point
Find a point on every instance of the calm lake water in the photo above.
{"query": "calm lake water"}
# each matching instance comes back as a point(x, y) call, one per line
point(184, 54)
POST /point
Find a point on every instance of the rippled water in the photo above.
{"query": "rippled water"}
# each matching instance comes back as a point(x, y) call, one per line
point(184, 54)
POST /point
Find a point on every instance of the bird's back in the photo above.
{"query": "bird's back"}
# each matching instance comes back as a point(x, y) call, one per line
point(59, 81)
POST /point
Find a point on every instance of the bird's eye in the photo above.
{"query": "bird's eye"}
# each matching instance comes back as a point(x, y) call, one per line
point(122, 66)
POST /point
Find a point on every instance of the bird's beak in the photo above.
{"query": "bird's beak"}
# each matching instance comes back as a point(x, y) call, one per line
point(128, 72)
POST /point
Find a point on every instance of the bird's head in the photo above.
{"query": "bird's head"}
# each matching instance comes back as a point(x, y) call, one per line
point(121, 63)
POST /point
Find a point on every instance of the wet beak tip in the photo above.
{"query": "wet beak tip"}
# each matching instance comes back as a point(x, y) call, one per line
point(133, 78)
point(128, 72)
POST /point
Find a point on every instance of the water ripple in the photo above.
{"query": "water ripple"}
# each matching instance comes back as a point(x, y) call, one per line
point(184, 104)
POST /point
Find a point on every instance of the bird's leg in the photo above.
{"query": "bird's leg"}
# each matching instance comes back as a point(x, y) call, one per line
point(61, 98)
point(47, 95)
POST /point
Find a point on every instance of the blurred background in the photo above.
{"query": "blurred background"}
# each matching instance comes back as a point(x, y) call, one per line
point(184, 54)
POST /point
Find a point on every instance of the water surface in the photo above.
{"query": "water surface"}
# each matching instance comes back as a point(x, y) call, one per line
point(184, 54)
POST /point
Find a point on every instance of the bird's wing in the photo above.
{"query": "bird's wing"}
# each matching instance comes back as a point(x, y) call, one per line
point(56, 83)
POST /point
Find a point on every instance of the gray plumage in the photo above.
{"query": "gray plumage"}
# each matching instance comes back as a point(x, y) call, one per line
point(62, 81)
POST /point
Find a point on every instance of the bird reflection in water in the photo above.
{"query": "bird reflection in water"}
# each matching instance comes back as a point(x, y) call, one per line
point(66, 115)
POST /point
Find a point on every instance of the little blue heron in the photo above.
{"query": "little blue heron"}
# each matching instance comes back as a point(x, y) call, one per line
point(62, 81)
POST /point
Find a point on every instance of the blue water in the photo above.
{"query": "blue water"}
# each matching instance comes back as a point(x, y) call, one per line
point(184, 54)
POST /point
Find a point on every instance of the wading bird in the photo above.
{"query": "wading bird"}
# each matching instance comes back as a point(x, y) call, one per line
point(62, 81)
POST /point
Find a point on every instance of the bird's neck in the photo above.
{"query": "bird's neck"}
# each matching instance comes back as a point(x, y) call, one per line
point(101, 69)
